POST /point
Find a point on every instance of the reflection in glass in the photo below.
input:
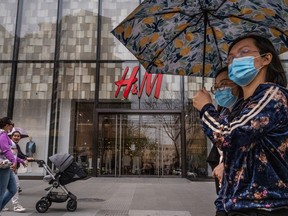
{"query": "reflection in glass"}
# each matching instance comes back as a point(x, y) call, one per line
point(38, 30)
point(109, 75)
point(129, 86)
point(5, 76)
point(79, 30)
point(32, 107)
point(77, 81)
point(169, 94)
point(83, 147)
point(113, 13)
point(8, 10)
point(197, 147)
point(139, 145)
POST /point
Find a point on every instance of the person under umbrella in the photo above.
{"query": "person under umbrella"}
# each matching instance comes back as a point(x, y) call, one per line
point(254, 141)
point(22, 132)
point(15, 137)
point(228, 97)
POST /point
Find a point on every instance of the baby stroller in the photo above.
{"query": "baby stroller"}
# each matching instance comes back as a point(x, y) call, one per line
point(68, 171)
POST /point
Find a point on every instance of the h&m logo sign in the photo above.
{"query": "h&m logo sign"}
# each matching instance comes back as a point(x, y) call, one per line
point(130, 84)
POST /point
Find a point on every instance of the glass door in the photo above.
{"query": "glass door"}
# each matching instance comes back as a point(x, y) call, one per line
point(132, 145)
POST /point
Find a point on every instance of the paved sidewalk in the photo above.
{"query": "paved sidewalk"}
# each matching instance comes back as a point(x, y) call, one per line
point(125, 197)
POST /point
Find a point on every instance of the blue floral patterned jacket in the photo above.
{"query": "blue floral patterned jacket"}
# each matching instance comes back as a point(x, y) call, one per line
point(255, 146)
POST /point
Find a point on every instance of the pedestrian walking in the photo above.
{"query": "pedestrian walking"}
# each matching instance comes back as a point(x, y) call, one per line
point(15, 199)
point(228, 97)
point(254, 141)
point(7, 184)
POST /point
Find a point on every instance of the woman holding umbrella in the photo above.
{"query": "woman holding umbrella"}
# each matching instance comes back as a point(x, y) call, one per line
point(254, 141)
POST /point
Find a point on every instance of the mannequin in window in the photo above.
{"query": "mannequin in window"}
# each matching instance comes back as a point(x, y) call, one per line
point(108, 158)
point(136, 163)
point(30, 151)
point(126, 162)
point(30, 147)
point(89, 155)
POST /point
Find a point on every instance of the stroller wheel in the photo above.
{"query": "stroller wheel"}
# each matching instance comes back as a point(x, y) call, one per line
point(48, 200)
point(71, 205)
point(42, 206)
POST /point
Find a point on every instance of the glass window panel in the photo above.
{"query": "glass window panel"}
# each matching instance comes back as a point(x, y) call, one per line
point(76, 98)
point(139, 145)
point(168, 97)
point(77, 81)
point(5, 76)
point(285, 65)
point(192, 84)
point(197, 145)
point(111, 73)
point(38, 30)
point(8, 11)
point(32, 108)
point(113, 13)
point(83, 144)
point(151, 90)
point(79, 29)
point(284, 56)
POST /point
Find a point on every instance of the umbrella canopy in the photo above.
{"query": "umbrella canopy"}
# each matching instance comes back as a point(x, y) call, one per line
point(22, 132)
point(191, 37)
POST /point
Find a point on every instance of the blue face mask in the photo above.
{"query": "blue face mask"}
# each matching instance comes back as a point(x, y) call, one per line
point(242, 70)
point(225, 98)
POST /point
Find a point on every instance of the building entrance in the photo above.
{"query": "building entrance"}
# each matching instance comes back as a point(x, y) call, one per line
point(131, 144)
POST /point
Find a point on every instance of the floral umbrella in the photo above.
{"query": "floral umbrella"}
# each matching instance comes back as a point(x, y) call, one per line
point(191, 37)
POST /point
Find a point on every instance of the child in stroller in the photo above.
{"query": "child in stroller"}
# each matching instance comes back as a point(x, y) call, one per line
point(68, 171)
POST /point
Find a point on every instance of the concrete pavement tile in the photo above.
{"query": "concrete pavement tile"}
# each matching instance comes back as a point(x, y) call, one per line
point(125, 197)
point(158, 213)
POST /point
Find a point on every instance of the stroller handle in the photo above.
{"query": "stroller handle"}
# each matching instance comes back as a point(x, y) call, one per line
point(39, 162)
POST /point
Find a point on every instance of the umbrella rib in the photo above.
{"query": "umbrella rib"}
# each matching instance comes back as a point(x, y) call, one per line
point(220, 5)
point(250, 20)
point(153, 60)
point(180, 19)
point(204, 46)
point(160, 13)
point(216, 42)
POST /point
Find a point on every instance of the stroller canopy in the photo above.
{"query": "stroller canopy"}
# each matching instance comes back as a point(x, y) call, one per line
point(62, 160)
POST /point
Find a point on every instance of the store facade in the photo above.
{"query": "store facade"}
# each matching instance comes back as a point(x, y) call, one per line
point(74, 88)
